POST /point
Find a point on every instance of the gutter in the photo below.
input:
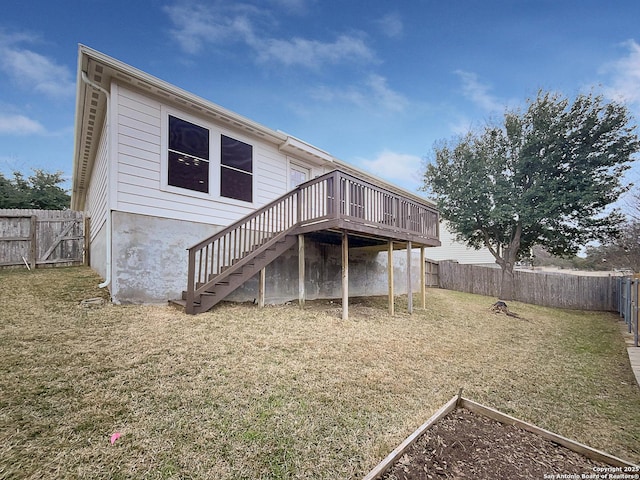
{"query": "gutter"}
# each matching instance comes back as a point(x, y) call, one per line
point(107, 280)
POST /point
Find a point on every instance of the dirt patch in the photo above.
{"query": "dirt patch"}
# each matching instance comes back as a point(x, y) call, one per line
point(466, 445)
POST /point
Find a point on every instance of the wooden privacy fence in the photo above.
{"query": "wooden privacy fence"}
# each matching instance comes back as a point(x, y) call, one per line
point(431, 274)
point(628, 297)
point(41, 237)
point(546, 289)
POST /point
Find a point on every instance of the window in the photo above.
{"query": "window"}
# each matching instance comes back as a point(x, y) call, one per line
point(188, 157)
point(236, 169)
point(193, 153)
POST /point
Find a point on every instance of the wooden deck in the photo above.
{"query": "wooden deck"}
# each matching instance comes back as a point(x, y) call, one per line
point(334, 208)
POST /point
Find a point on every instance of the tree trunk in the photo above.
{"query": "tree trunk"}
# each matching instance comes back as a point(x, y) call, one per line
point(506, 257)
point(507, 287)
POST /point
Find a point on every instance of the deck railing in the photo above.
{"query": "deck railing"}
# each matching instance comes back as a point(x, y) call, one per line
point(362, 201)
point(335, 195)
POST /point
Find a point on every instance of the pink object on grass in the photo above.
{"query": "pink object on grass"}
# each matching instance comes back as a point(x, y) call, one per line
point(115, 437)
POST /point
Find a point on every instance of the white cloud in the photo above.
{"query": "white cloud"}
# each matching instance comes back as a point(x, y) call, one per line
point(385, 96)
point(625, 76)
point(293, 6)
point(33, 70)
point(478, 93)
point(19, 125)
point(391, 25)
point(197, 25)
point(373, 93)
point(400, 168)
point(312, 53)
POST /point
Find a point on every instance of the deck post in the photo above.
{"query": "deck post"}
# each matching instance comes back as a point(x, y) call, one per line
point(337, 194)
point(301, 292)
point(409, 290)
point(423, 286)
point(261, 287)
point(191, 283)
point(345, 276)
point(390, 277)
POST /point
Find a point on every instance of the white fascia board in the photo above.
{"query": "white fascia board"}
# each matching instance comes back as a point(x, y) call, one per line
point(188, 98)
point(298, 147)
point(77, 202)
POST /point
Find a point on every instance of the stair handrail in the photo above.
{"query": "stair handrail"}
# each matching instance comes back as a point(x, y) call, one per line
point(278, 221)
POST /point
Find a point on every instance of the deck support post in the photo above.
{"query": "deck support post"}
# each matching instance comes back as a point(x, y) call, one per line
point(423, 286)
point(390, 277)
point(409, 290)
point(301, 273)
point(345, 276)
point(261, 287)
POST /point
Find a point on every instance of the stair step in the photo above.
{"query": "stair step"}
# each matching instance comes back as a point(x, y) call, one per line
point(178, 302)
point(218, 290)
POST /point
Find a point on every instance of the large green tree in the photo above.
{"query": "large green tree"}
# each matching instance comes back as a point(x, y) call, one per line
point(544, 177)
point(42, 190)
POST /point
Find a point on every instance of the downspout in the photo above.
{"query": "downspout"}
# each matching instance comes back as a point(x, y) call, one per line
point(107, 280)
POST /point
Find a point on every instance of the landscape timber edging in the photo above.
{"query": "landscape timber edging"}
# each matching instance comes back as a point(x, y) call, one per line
point(460, 402)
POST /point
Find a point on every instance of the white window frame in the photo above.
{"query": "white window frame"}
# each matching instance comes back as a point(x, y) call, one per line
point(215, 164)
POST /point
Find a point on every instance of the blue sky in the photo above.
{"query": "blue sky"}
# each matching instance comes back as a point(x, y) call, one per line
point(375, 83)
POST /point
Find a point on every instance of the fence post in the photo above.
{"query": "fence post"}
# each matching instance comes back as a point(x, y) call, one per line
point(619, 294)
point(623, 299)
point(87, 240)
point(628, 308)
point(33, 251)
point(634, 316)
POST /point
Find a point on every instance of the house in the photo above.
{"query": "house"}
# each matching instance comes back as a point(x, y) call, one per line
point(451, 249)
point(189, 200)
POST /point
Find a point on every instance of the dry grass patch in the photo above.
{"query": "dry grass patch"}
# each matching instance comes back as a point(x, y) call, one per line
point(243, 392)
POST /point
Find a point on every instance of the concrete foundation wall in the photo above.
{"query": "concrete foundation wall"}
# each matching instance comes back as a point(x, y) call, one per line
point(150, 265)
point(149, 257)
point(323, 274)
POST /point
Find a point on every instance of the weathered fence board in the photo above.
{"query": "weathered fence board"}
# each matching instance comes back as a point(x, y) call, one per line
point(547, 289)
point(41, 237)
point(431, 274)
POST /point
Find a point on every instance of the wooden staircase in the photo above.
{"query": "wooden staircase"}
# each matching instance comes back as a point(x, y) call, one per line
point(222, 284)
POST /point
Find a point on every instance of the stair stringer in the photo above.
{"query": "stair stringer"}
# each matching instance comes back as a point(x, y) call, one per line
point(222, 285)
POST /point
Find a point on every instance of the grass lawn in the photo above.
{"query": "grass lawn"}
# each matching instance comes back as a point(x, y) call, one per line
point(279, 392)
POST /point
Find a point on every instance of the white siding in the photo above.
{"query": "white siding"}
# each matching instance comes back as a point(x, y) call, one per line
point(140, 163)
point(270, 169)
point(452, 250)
point(97, 194)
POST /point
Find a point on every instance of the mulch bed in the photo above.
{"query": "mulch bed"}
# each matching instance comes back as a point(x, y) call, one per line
point(467, 445)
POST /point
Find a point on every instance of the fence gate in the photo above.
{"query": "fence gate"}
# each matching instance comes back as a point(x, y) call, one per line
point(431, 274)
point(41, 237)
point(628, 299)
